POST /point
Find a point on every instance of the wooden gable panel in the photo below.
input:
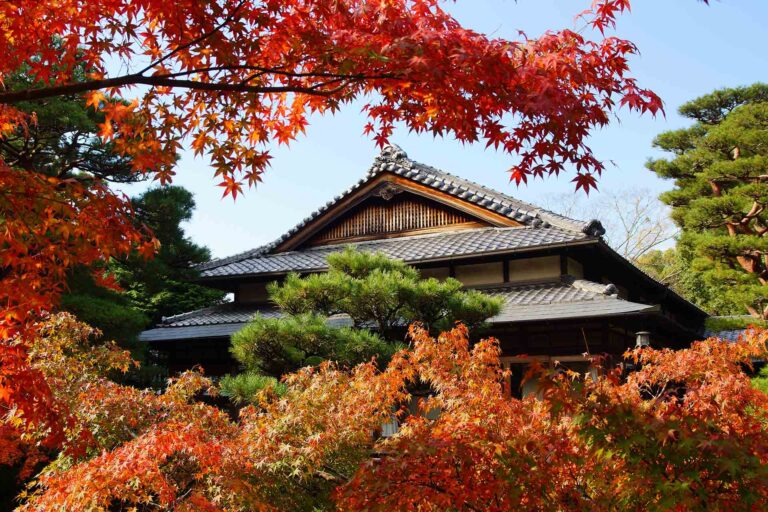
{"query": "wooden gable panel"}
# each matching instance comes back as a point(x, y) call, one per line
point(382, 216)
point(387, 186)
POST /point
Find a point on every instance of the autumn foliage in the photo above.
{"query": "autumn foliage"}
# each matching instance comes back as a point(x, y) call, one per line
point(685, 431)
point(48, 226)
point(120, 444)
point(227, 78)
point(232, 75)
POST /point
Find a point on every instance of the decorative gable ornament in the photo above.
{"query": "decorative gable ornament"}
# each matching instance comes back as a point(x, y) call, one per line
point(387, 191)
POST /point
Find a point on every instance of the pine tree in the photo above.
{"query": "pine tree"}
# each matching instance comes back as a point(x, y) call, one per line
point(360, 309)
point(151, 289)
point(63, 141)
point(720, 198)
point(164, 285)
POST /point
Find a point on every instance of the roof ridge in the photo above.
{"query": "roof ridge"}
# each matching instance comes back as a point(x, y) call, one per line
point(586, 285)
point(223, 308)
point(218, 262)
point(591, 286)
point(406, 237)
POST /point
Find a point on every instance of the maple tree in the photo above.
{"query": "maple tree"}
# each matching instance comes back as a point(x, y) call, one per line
point(685, 431)
point(111, 424)
point(48, 226)
point(229, 74)
point(228, 77)
point(149, 289)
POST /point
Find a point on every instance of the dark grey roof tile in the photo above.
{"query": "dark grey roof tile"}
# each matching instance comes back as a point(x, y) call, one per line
point(572, 310)
point(192, 332)
point(732, 335)
point(224, 313)
point(567, 299)
point(411, 249)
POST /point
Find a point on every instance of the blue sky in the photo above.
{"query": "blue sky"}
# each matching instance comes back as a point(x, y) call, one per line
point(687, 49)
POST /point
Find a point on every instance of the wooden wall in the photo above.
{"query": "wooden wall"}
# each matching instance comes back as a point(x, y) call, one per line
point(404, 213)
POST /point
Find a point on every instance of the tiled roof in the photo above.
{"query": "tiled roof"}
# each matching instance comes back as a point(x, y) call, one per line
point(570, 298)
point(222, 314)
point(568, 289)
point(393, 159)
point(734, 332)
point(213, 322)
point(411, 249)
point(565, 299)
point(191, 332)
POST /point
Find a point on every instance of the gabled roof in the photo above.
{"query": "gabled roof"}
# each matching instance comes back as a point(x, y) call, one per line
point(567, 298)
point(393, 161)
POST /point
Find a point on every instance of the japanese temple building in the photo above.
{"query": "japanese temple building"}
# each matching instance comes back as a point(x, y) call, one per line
point(566, 292)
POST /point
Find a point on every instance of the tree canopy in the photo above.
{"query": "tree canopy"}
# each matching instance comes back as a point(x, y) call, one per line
point(687, 431)
point(230, 74)
point(230, 77)
point(64, 143)
point(674, 267)
point(720, 169)
point(357, 311)
point(149, 289)
point(635, 221)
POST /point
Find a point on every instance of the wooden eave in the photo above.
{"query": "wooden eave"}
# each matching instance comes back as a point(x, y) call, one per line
point(662, 293)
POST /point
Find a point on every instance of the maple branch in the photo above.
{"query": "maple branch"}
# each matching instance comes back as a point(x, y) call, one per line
point(161, 81)
point(334, 474)
point(275, 71)
point(170, 81)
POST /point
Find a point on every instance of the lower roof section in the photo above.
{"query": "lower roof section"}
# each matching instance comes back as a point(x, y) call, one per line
point(191, 332)
point(565, 299)
point(411, 249)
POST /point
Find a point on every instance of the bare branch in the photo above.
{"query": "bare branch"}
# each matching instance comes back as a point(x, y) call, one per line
point(635, 220)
